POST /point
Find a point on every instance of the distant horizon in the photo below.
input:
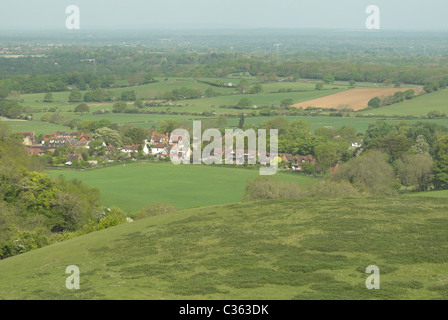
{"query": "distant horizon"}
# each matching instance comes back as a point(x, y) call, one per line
point(218, 28)
point(410, 15)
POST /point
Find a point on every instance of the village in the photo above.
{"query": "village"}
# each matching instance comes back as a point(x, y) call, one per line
point(79, 150)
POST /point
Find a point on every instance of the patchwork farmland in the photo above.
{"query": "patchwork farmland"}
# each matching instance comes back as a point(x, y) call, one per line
point(356, 99)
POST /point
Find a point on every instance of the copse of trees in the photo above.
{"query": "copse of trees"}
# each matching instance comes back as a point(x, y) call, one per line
point(36, 210)
point(181, 94)
point(392, 154)
point(397, 97)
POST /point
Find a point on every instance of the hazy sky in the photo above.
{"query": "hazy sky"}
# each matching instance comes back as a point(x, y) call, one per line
point(338, 14)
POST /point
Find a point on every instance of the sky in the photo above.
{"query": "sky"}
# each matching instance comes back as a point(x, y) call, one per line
point(411, 15)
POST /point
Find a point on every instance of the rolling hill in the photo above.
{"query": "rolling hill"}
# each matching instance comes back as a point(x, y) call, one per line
point(285, 249)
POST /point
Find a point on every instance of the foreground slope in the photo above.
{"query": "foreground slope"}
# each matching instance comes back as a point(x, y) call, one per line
point(286, 249)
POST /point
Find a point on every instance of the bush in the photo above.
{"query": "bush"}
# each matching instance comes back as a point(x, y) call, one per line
point(264, 188)
point(155, 209)
point(369, 172)
point(114, 217)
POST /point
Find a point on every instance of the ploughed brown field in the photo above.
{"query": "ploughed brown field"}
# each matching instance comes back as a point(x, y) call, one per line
point(355, 99)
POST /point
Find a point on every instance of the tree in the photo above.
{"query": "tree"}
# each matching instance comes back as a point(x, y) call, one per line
point(328, 79)
point(319, 86)
point(369, 172)
point(421, 146)
point(241, 122)
point(119, 107)
point(327, 155)
point(81, 108)
point(48, 97)
point(108, 136)
point(168, 126)
point(257, 88)
point(138, 104)
point(242, 86)
point(298, 128)
point(409, 94)
point(286, 102)
point(73, 123)
point(128, 96)
point(352, 83)
point(376, 130)
point(415, 170)
point(149, 78)
point(96, 147)
point(279, 123)
point(374, 102)
point(221, 122)
point(75, 96)
point(393, 145)
point(244, 103)
point(441, 164)
point(137, 135)
point(4, 92)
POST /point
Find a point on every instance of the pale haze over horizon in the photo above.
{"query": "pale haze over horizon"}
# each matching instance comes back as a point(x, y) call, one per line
point(406, 15)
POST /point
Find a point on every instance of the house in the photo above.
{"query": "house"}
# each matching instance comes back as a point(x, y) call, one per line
point(181, 152)
point(72, 157)
point(145, 149)
point(75, 143)
point(109, 149)
point(246, 155)
point(130, 148)
point(176, 140)
point(159, 148)
point(85, 137)
point(300, 160)
point(159, 138)
point(56, 142)
point(286, 157)
point(36, 150)
point(29, 138)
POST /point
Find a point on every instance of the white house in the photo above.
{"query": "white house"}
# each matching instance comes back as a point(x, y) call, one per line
point(159, 148)
point(130, 149)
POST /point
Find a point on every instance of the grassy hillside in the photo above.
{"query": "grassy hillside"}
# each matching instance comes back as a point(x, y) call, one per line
point(133, 186)
point(289, 249)
point(430, 194)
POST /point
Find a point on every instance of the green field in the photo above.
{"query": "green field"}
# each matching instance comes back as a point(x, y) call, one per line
point(40, 127)
point(419, 106)
point(287, 249)
point(136, 185)
point(300, 91)
point(429, 194)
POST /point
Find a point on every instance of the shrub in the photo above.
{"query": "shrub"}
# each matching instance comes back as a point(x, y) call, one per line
point(155, 209)
point(114, 217)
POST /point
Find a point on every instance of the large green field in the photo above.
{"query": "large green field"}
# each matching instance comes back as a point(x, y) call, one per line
point(419, 106)
point(136, 185)
point(287, 249)
point(40, 127)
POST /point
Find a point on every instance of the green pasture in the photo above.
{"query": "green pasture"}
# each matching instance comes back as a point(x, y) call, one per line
point(302, 249)
point(136, 185)
point(419, 106)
